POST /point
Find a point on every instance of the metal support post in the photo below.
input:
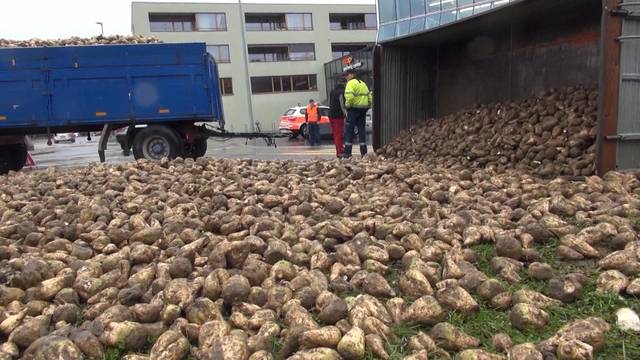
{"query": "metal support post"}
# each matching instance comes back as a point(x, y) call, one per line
point(104, 139)
point(606, 150)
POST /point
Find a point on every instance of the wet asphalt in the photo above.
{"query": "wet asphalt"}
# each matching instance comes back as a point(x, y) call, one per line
point(85, 152)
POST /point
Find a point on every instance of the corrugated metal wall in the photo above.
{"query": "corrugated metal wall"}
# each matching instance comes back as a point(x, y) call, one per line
point(628, 152)
point(404, 90)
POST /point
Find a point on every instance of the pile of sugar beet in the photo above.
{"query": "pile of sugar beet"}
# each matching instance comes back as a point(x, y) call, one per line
point(238, 259)
point(549, 135)
point(78, 41)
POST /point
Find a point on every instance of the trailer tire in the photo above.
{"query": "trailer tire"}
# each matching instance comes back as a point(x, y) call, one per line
point(12, 157)
point(198, 149)
point(156, 142)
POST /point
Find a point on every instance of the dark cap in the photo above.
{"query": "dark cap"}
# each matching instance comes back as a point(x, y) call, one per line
point(351, 71)
point(311, 100)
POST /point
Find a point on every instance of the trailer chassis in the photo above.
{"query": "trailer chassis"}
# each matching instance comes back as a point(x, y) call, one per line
point(191, 137)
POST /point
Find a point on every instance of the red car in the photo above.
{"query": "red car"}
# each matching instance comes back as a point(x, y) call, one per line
point(292, 121)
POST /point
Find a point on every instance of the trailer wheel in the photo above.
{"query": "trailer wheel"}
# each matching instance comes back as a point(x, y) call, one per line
point(12, 157)
point(157, 142)
point(198, 149)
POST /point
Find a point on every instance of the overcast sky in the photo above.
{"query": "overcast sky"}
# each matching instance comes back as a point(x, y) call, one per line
point(52, 19)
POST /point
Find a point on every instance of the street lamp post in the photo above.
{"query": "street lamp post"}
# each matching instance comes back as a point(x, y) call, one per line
point(246, 67)
point(101, 28)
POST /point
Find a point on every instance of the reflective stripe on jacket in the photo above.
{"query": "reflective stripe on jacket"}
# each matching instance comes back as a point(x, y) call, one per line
point(357, 95)
point(312, 113)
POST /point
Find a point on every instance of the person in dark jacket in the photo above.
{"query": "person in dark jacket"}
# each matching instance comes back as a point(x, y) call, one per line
point(337, 113)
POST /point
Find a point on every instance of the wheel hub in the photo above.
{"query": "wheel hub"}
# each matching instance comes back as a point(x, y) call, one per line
point(156, 148)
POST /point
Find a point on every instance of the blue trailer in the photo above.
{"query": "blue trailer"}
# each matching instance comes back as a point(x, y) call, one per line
point(158, 91)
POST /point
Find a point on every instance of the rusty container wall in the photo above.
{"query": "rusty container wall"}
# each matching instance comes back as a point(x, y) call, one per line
point(519, 60)
point(509, 54)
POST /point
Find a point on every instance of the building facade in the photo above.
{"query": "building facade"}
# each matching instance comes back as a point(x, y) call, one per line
point(399, 18)
point(285, 46)
point(359, 60)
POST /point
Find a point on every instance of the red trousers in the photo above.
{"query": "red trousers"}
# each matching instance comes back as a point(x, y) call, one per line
point(337, 128)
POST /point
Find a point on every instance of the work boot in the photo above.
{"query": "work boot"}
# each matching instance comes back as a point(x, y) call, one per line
point(347, 151)
point(363, 150)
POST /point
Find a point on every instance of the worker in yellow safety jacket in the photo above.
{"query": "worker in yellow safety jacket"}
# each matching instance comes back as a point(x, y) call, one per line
point(357, 100)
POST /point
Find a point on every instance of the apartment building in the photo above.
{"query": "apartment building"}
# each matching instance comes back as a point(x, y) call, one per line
point(270, 56)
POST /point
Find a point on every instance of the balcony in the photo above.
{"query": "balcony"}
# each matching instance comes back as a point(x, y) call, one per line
point(353, 22)
point(276, 53)
point(187, 22)
point(279, 22)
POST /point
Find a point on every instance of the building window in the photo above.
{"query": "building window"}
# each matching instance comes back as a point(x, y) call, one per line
point(302, 52)
point(278, 22)
point(417, 25)
point(211, 22)
point(299, 22)
point(447, 17)
point(387, 10)
point(265, 22)
point(340, 50)
point(403, 8)
point(387, 31)
point(188, 22)
point(226, 86)
point(466, 12)
point(448, 4)
point(220, 53)
point(287, 83)
point(462, 3)
point(433, 5)
point(262, 84)
point(481, 8)
point(353, 21)
point(273, 53)
point(432, 21)
point(171, 22)
point(304, 82)
point(268, 53)
point(417, 7)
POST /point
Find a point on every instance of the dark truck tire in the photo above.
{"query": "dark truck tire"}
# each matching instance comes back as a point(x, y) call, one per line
point(198, 149)
point(12, 157)
point(156, 142)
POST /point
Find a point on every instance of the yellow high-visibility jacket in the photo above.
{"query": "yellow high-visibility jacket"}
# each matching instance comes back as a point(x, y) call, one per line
point(357, 95)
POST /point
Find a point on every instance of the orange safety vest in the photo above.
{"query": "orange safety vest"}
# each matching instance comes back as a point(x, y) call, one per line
point(312, 113)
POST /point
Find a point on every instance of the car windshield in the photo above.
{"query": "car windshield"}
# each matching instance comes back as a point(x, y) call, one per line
point(290, 112)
